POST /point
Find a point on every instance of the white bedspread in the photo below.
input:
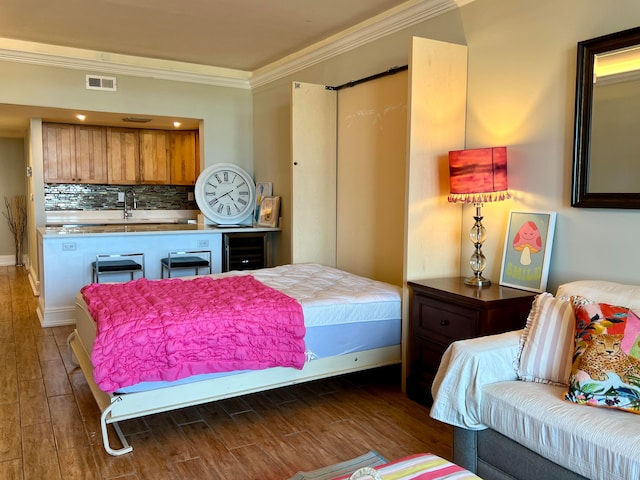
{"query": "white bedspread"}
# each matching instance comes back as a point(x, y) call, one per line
point(466, 367)
point(334, 296)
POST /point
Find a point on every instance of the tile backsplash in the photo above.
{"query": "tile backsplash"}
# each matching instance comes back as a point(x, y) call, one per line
point(63, 196)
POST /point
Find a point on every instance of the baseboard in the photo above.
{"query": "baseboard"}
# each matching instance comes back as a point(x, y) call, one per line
point(8, 260)
point(56, 317)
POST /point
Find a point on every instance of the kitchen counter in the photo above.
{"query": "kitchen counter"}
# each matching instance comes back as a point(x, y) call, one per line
point(66, 252)
point(79, 230)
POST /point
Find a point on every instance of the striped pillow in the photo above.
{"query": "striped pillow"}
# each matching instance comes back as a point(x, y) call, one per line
point(546, 345)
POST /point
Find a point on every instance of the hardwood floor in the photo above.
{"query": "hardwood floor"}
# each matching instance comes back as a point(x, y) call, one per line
point(49, 422)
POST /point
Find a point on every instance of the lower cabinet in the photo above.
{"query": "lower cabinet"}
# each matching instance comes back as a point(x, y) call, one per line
point(443, 310)
point(244, 251)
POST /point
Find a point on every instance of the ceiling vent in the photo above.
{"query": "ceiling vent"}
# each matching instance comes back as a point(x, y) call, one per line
point(96, 82)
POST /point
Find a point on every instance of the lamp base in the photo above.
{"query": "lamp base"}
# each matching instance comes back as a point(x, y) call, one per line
point(477, 281)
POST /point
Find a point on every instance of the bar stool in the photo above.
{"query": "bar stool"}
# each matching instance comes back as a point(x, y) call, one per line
point(117, 263)
point(183, 260)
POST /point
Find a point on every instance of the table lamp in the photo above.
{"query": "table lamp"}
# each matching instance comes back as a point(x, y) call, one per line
point(478, 176)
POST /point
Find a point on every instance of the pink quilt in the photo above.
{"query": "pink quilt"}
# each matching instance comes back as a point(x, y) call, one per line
point(171, 329)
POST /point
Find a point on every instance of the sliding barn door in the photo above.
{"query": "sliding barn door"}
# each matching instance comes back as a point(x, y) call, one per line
point(372, 153)
point(313, 152)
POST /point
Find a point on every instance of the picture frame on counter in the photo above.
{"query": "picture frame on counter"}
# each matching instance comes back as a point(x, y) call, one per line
point(269, 212)
point(263, 189)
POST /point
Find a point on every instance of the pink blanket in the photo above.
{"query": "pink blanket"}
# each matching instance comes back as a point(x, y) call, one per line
point(171, 329)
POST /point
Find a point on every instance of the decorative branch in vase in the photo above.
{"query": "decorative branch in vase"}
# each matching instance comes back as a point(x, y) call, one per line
point(16, 215)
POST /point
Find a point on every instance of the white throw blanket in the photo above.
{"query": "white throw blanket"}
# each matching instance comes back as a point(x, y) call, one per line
point(466, 367)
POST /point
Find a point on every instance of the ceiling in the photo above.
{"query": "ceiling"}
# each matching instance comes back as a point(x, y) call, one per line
point(236, 34)
point(242, 35)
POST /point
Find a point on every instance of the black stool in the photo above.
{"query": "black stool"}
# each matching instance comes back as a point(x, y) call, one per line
point(117, 263)
point(183, 260)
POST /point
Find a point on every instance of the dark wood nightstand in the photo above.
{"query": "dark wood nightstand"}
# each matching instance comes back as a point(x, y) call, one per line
point(443, 310)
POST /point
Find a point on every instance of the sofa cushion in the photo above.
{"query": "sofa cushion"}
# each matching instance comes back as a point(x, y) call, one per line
point(547, 341)
point(606, 366)
point(597, 443)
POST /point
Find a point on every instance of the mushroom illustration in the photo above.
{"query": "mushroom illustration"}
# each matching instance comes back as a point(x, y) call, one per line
point(527, 241)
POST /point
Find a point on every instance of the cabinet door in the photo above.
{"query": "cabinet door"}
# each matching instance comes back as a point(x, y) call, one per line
point(123, 156)
point(154, 157)
point(185, 164)
point(91, 154)
point(59, 153)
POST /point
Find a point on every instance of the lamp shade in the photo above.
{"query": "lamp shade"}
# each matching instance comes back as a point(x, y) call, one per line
point(478, 175)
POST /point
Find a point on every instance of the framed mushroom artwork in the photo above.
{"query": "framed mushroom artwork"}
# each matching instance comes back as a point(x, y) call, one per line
point(527, 250)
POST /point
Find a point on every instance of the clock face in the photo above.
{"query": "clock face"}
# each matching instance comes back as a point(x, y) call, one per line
point(225, 193)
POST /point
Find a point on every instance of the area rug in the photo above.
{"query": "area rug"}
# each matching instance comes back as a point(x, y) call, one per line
point(371, 459)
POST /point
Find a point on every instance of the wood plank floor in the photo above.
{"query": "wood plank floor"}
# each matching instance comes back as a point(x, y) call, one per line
point(49, 422)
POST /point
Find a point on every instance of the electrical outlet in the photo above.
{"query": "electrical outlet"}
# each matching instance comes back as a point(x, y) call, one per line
point(203, 243)
point(190, 196)
point(121, 196)
point(68, 246)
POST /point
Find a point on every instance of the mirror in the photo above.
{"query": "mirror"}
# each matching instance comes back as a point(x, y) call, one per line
point(606, 163)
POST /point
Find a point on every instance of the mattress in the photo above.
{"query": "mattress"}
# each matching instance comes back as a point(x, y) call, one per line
point(343, 312)
point(594, 442)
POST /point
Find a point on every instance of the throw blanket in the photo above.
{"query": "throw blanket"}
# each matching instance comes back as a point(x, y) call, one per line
point(151, 330)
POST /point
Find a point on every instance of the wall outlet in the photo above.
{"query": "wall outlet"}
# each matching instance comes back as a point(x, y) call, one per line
point(190, 196)
point(121, 196)
point(203, 243)
point(68, 246)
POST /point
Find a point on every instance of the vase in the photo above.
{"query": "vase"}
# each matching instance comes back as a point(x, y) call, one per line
point(19, 255)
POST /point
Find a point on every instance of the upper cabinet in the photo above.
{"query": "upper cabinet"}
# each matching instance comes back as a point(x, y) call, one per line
point(124, 156)
point(119, 156)
point(154, 157)
point(185, 158)
point(74, 153)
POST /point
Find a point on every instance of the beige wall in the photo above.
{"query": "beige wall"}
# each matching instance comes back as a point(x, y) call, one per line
point(521, 84)
point(522, 62)
point(226, 112)
point(12, 182)
point(372, 151)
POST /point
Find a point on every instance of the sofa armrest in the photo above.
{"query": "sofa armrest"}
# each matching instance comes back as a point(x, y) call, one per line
point(466, 367)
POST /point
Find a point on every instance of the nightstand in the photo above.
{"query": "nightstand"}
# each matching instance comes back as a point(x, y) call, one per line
point(443, 310)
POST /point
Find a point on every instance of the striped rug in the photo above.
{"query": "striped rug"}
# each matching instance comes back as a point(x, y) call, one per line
point(371, 459)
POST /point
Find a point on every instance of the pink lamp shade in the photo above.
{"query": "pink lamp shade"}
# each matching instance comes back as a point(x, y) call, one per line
point(478, 175)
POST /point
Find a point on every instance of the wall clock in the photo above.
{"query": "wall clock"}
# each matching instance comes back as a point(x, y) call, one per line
point(225, 193)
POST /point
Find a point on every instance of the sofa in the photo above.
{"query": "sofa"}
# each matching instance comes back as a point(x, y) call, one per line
point(516, 400)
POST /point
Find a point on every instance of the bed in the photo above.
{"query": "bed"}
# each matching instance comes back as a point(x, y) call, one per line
point(352, 323)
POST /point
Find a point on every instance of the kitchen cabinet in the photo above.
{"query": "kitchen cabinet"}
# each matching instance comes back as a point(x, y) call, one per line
point(74, 153)
point(443, 310)
point(185, 158)
point(123, 156)
point(119, 156)
point(154, 157)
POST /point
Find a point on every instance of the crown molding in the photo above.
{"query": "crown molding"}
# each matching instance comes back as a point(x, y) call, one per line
point(104, 62)
point(409, 13)
point(394, 20)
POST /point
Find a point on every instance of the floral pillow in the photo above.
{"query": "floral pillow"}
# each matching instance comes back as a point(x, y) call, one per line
point(606, 361)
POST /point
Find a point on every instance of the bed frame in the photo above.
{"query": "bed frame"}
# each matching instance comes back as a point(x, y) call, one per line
point(119, 407)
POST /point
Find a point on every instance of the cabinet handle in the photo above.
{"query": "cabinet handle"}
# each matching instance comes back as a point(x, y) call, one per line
point(444, 323)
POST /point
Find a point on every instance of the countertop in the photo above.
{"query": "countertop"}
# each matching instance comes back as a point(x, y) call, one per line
point(146, 228)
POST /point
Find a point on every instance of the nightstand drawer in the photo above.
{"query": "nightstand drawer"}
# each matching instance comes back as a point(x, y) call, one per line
point(443, 321)
point(444, 310)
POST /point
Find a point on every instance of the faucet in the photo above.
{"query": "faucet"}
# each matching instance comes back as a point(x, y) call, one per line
point(127, 208)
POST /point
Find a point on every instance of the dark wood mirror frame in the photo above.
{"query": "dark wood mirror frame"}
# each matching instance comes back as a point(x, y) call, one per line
point(587, 50)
